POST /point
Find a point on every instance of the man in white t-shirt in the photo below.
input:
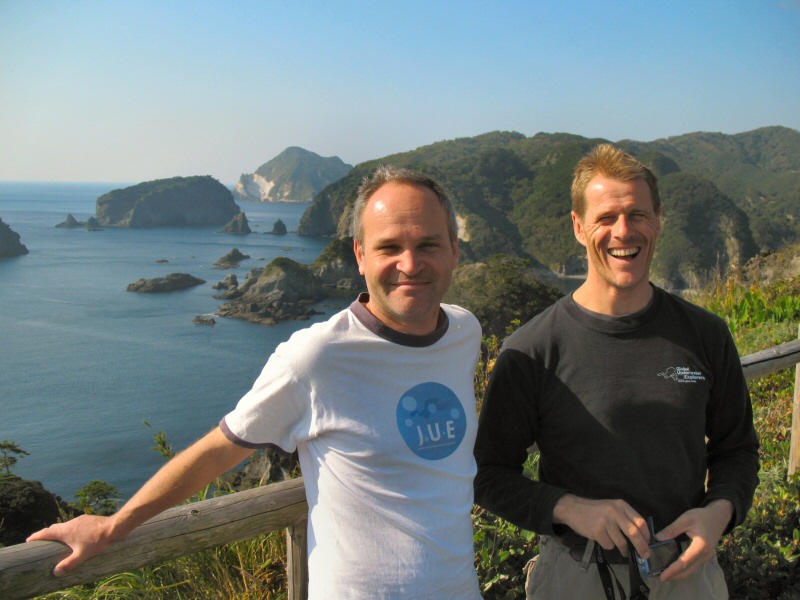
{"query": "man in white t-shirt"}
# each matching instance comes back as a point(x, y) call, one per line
point(379, 403)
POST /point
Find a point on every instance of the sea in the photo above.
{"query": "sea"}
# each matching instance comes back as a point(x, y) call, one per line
point(90, 372)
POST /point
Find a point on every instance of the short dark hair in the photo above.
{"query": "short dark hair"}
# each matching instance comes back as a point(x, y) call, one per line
point(387, 174)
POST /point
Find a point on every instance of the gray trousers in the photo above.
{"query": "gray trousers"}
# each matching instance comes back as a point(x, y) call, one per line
point(555, 575)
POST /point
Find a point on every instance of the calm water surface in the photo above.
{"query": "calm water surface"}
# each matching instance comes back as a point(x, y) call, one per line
point(83, 362)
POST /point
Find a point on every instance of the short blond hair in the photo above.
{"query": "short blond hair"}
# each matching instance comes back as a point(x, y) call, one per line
point(614, 163)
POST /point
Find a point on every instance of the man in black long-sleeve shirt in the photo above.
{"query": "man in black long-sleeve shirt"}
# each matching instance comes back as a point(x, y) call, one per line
point(637, 402)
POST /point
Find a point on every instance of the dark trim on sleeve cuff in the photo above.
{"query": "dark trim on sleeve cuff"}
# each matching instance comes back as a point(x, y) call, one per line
point(223, 426)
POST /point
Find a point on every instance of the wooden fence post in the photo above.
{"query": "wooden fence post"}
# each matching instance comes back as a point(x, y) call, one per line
point(297, 560)
point(794, 443)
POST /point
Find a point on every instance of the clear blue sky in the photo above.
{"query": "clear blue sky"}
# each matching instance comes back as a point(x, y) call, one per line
point(138, 90)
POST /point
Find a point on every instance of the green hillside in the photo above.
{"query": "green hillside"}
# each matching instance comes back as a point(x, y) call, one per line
point(512, 193)
point(759, 170)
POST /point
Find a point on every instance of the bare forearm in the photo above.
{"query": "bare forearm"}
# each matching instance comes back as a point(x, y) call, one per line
point(184, 475)
point(179, 479)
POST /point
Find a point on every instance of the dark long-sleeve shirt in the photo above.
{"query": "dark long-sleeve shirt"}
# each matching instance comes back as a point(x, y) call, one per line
point(652, 408)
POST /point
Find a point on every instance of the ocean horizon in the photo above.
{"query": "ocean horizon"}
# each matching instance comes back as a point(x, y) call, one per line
point(85, 362)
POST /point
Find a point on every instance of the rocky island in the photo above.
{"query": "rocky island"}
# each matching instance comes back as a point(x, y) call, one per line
point(71, 223)
point(91, 224)
point(295, 175)
point(279, 228)
point(231, 259)
point(177, 202)
point(286, 289)
point(168, 283)
point(282, 290)
point(10, 244)
point(238, 225)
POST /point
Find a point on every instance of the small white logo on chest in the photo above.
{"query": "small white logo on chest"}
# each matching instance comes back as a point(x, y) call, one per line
point(682, 375)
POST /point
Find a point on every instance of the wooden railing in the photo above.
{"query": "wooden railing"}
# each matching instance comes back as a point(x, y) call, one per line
point(26, 570)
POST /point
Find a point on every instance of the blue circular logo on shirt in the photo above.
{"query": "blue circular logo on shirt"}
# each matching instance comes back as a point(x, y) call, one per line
point(431, 420)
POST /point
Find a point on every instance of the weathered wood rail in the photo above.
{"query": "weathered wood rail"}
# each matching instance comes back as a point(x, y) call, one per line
point(26, 569)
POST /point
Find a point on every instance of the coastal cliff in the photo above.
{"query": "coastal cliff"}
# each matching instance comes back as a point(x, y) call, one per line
point(10, 244)
point(197, 201)
point(295, 175)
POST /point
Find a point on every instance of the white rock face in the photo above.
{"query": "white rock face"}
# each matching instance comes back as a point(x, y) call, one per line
point(463, 234)
point(254, 187)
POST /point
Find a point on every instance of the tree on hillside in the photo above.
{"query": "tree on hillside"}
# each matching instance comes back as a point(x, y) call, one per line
point(25, 507)
point(501, 290)
point(98, 498)
point(9, 449)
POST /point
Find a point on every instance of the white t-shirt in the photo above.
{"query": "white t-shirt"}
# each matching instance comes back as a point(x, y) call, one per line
point(384, 424)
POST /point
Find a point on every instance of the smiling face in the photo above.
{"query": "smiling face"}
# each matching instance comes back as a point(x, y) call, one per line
point(406, 256)
point(619, 229)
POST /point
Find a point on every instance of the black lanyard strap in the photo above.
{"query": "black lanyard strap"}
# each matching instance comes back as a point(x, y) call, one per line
point(638, 588)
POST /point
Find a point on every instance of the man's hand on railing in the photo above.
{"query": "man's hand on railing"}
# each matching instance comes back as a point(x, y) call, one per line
point(87, 536)
point(27, 570)
point(176, 481)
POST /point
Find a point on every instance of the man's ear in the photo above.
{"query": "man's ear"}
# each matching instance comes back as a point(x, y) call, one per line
point(455, 254)
point(577, 228)
point(358, 251)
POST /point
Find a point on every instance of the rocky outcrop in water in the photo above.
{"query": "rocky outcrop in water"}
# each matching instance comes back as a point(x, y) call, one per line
point(238, 225)
point(282, 290)
point(286, 289)
point(279, 228)
point(10, 244)
point(230, 281)
point(231, 260)
point(229, 288)
point(71, 223)
point(169, 283)
point(90, 224)
point(177, 202)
